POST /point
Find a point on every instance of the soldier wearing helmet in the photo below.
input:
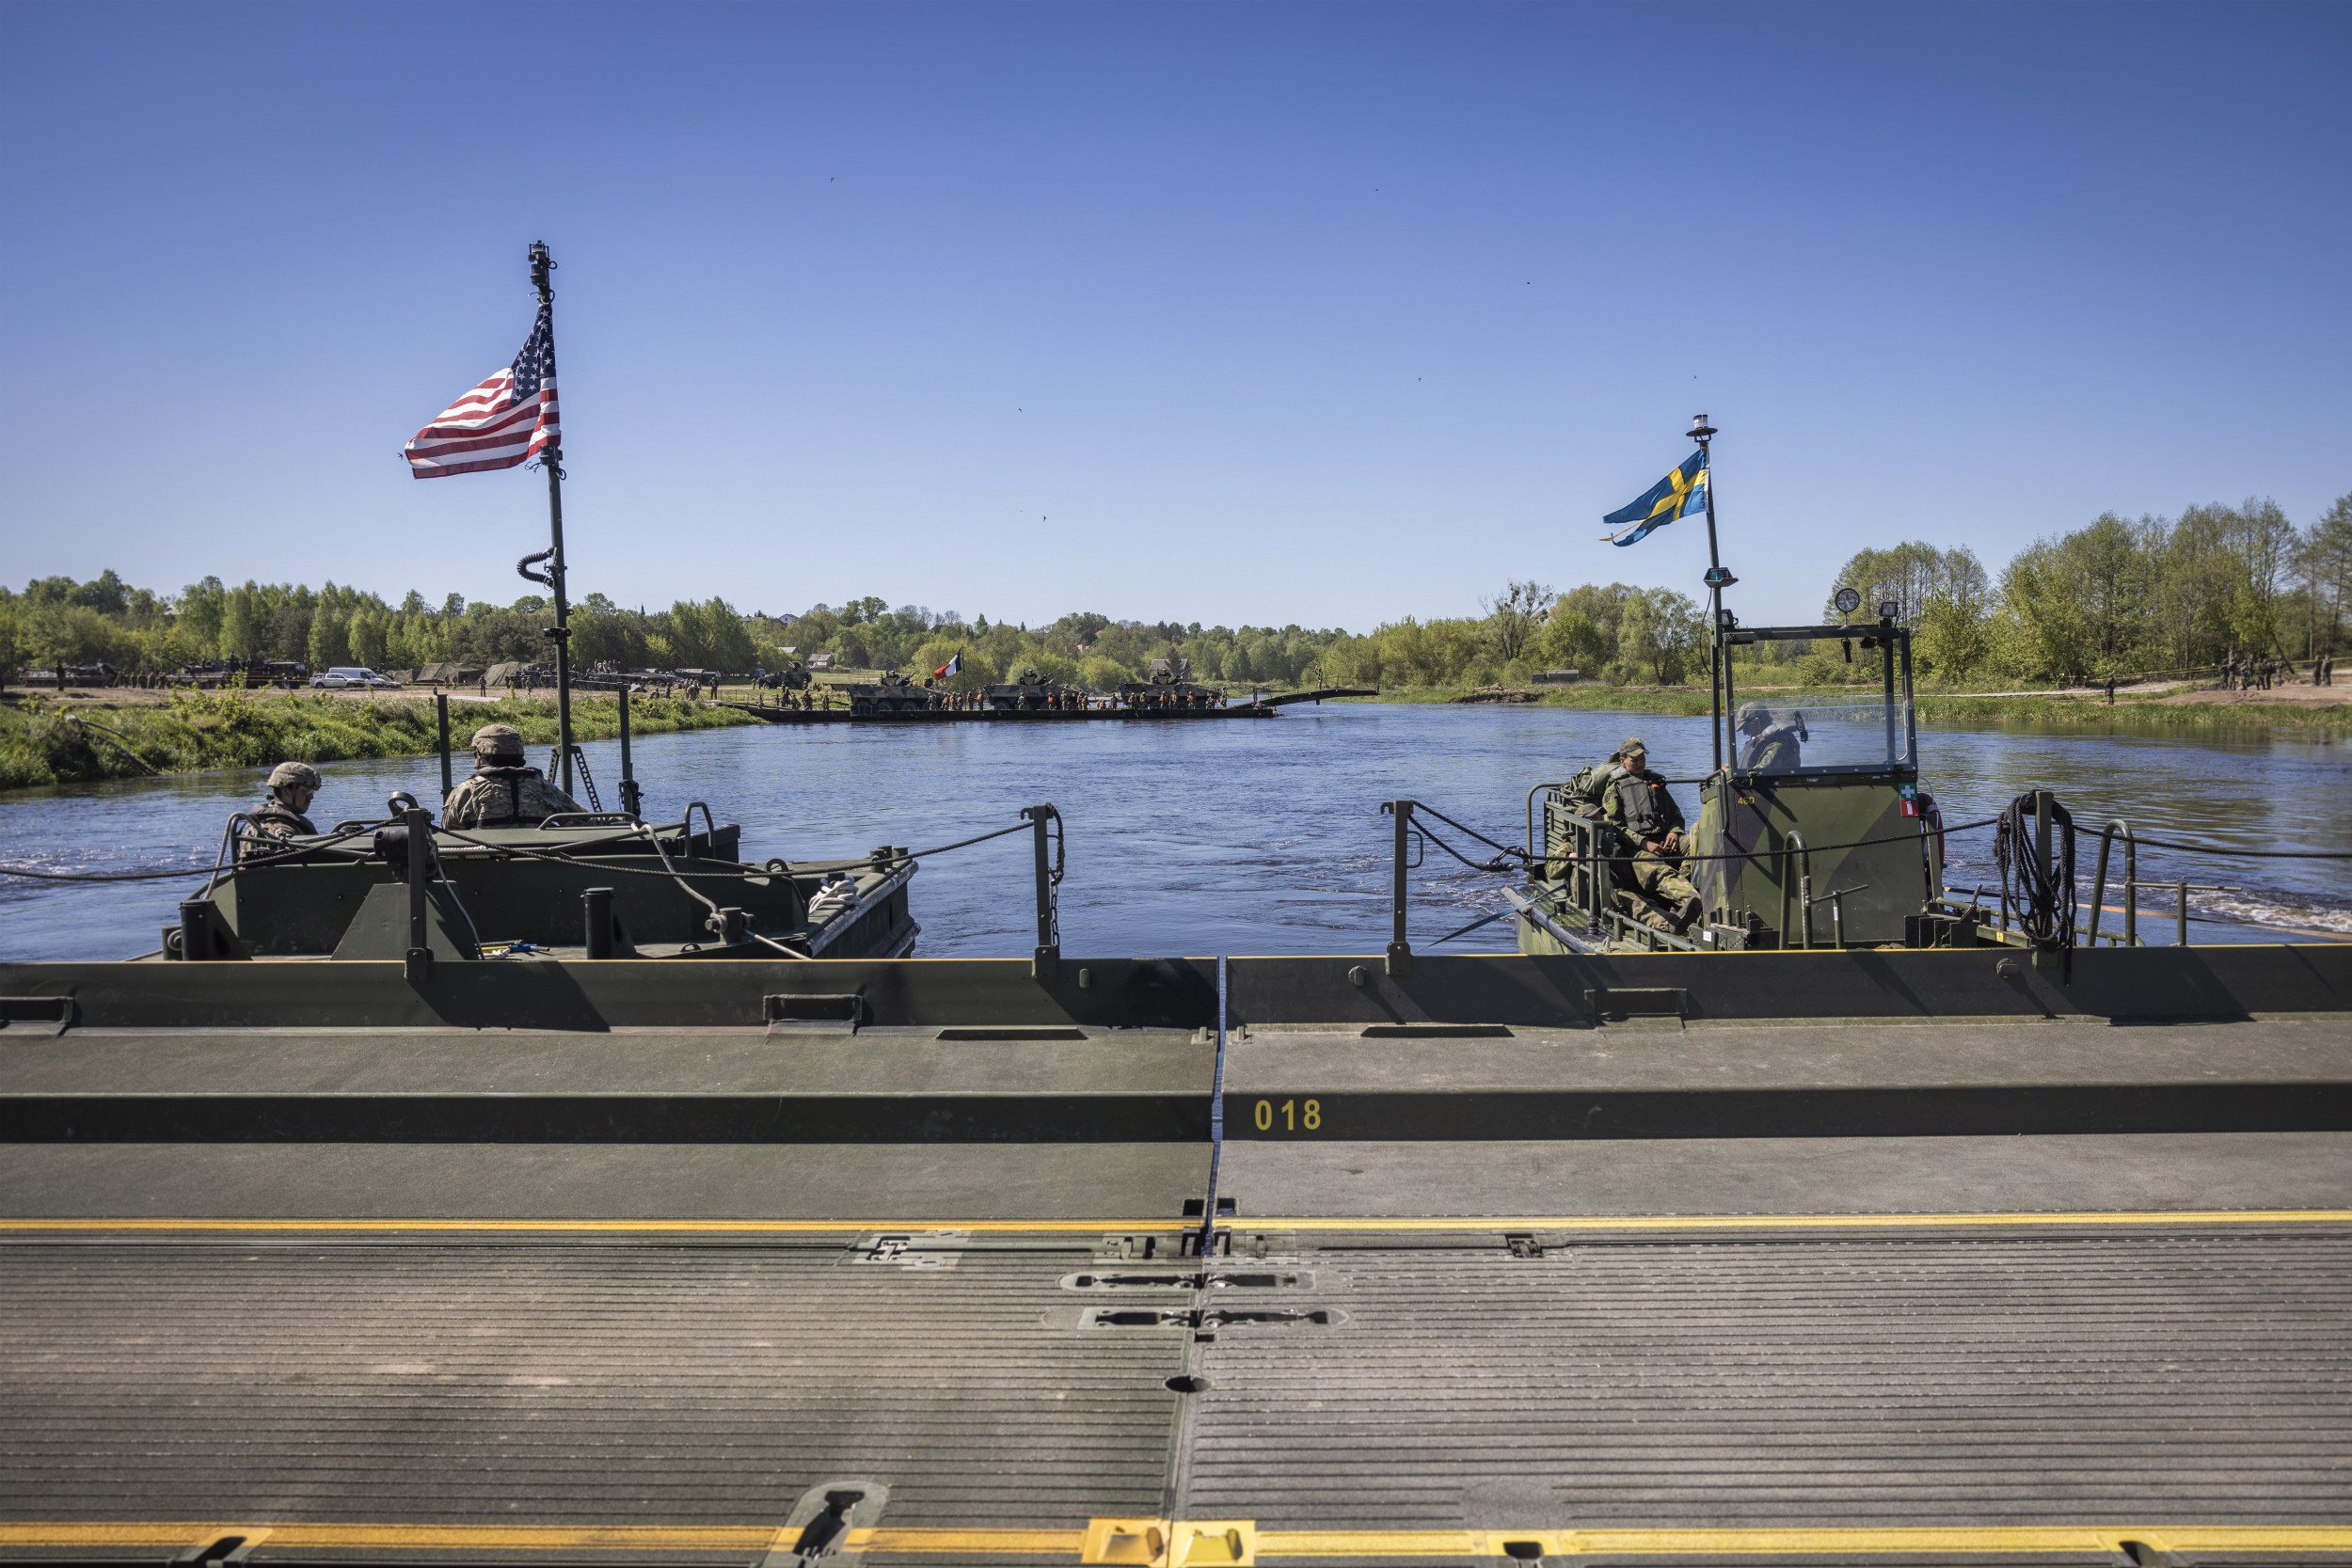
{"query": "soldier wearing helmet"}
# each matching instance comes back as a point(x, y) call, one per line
point(1768, 747)
point(281, 817)
point(505, 791)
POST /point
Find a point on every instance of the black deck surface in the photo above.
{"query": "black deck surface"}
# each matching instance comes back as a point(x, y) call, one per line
point(707, 1383)
point(367, 1396)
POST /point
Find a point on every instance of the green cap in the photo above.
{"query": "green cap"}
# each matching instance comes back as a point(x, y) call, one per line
point(1632, 746)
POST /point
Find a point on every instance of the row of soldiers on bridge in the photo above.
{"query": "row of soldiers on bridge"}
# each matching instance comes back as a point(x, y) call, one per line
point(503, 791)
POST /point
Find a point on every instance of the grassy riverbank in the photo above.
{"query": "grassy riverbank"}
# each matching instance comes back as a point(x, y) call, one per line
point(2051, 711)
point(194, 732)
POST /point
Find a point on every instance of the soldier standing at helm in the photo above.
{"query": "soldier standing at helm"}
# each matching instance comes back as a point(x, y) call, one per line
point(505, 791)
point(1770, 747)
point(283, 814)
point(1642, 807)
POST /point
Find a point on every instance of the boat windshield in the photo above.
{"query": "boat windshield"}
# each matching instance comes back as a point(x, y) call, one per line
point(1854, 737)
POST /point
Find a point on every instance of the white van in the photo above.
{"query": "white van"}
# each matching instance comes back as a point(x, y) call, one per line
point(351, 674)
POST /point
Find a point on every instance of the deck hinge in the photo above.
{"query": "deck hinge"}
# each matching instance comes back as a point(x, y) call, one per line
point(1139, 1541)
point(1230, 1543)
point(1523, 1243)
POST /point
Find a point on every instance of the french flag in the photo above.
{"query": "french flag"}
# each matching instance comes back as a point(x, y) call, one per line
point(954, 666)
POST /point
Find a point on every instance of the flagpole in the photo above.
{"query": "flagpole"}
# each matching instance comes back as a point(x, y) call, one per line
point(551, 458)
point(1717, 579)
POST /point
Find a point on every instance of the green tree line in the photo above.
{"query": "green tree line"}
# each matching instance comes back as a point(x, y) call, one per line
point(2114, 597)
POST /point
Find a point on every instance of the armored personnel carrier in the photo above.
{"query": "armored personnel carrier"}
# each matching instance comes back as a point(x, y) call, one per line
point(892, 694)
point(1168, 690)
point(792, 678)
point(1031, 692)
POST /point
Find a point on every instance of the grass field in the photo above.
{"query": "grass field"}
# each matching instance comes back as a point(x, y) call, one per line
point(189, 732)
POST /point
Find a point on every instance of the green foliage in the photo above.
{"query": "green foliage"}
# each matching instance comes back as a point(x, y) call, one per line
point(2114, 596)
point(201, 729)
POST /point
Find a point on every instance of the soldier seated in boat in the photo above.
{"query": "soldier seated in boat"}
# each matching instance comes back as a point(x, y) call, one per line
point(504, 792)
point(1771, 748)
point(281, 816)
point(1589, 789)
point(1643, 810)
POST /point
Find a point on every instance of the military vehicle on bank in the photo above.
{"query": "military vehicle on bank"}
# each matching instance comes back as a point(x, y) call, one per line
point(892, 692)
point(792, 678)
point(1031, 692)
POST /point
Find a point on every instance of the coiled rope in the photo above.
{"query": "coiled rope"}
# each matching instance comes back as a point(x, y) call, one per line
point(2043, 894)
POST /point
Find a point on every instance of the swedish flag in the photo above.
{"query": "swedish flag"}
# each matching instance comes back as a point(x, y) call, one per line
point(1678, 495)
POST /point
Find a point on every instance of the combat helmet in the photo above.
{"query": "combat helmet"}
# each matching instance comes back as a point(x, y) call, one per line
point(497, 740)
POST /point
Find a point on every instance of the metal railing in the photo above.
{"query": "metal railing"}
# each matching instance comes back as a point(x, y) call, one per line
point(2129, 936)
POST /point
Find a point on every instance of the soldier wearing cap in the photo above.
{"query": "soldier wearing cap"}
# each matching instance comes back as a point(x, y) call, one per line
point(1771, 748)
point(281, 817)
point(505, 791)
point(1643, 810)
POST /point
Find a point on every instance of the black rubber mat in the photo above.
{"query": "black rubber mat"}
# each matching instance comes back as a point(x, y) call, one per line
point(2203, 1378)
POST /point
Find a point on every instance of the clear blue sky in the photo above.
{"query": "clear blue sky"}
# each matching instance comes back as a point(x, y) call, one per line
point(1238, 313)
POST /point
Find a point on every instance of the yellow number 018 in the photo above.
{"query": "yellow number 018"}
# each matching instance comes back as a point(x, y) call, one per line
point(1295, 1115)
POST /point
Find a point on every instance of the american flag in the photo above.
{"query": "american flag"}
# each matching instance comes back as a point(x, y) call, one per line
point(503, 422)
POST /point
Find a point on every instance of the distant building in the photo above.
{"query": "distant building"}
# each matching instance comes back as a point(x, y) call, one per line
point(1558, 677)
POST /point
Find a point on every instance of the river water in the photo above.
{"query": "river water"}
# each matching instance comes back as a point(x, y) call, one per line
point(1241, 836)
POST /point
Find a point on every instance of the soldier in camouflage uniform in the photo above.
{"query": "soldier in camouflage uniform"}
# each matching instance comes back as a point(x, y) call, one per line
point(1640, 806)
point(1771, 748)
point(281, 817)
point(505, 791)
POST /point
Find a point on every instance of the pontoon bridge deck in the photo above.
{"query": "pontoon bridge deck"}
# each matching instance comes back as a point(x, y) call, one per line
point(1798, 1256)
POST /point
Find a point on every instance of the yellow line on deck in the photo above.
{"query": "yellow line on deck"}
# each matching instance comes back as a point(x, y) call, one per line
point(1192, 1542)
point(1001, 1226)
